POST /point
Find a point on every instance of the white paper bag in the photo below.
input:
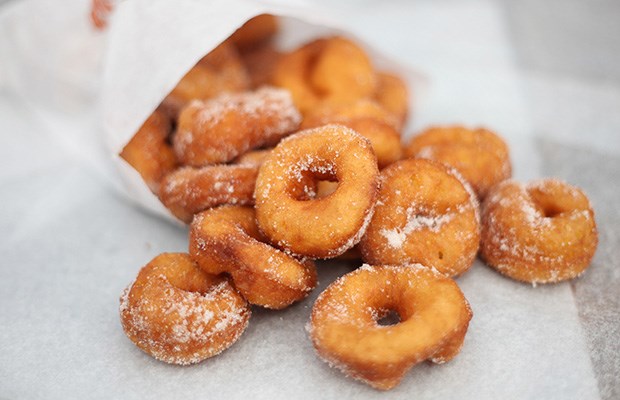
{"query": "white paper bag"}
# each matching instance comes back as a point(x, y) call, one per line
point(153, 43)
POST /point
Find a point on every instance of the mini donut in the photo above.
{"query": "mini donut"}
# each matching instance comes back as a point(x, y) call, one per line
point(368, 119)
point(221, 129)
point(260, 63)
point(478, 154)
point(287, 209)
point(226, 239)
point(393, 96)
point(343, 72)
point(255, 31)
point(291, 72)
point(542, 232)
point(346, 331)
point(384, 139)
point(425, 214)
point(149, 152)
point(333, 70)
point(187, 191)
point(220, 71)
point(178, 314)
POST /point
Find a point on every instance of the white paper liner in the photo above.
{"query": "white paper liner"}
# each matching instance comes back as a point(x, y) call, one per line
point(522, 342)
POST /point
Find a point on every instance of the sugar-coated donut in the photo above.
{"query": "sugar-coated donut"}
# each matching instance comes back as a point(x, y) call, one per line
point(343, 72)
point(226, 239)
point(425, 214)
point(367, 118)
point(333, 70)
point(393, 95)
point(287, 209)
point(542, 232)
point(221, 129)
point(220, 71)
point(479, 155)
point(345, 325)
point(384, 139)
point(187, 191)
point(180, 315)
point(260, 63)
point(149, 152)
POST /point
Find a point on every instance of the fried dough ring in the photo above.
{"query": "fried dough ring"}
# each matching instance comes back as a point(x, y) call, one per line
point(260, 63)
point(287, 210)
point(393, 95)
point(221, 129)
point(384, 139)
point(220, 71)
point(542, 232)
point(478, 154)
point(434, 317)
point(425, 214)
point(368, 119)
point(187, 190)
point(226, 239)
point(149, 152)
point(178, 314)
point(333, 70)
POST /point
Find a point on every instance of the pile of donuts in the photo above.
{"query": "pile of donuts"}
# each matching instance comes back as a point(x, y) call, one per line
point(277, 159)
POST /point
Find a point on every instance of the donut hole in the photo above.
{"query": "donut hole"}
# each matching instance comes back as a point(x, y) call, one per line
point(550, 212)
point(549, 206)
point(387, 317)
point(325, 188)
point(313, 180)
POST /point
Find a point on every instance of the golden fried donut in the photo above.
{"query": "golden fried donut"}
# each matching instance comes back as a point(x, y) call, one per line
point(333, 70)
point(187, 191)
point(287, 209)
point(149, 152)
point(260, 63)
point(226, 239)
point(180, 315)
point(478, 154)
point(221, 129)
point(368, 119)
point(425, 214)
point(220, 71)
point(392, 94)
point(384, 139)
point(255, 31)
point(542, 232)
point(346, 331)
point(343, 72)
